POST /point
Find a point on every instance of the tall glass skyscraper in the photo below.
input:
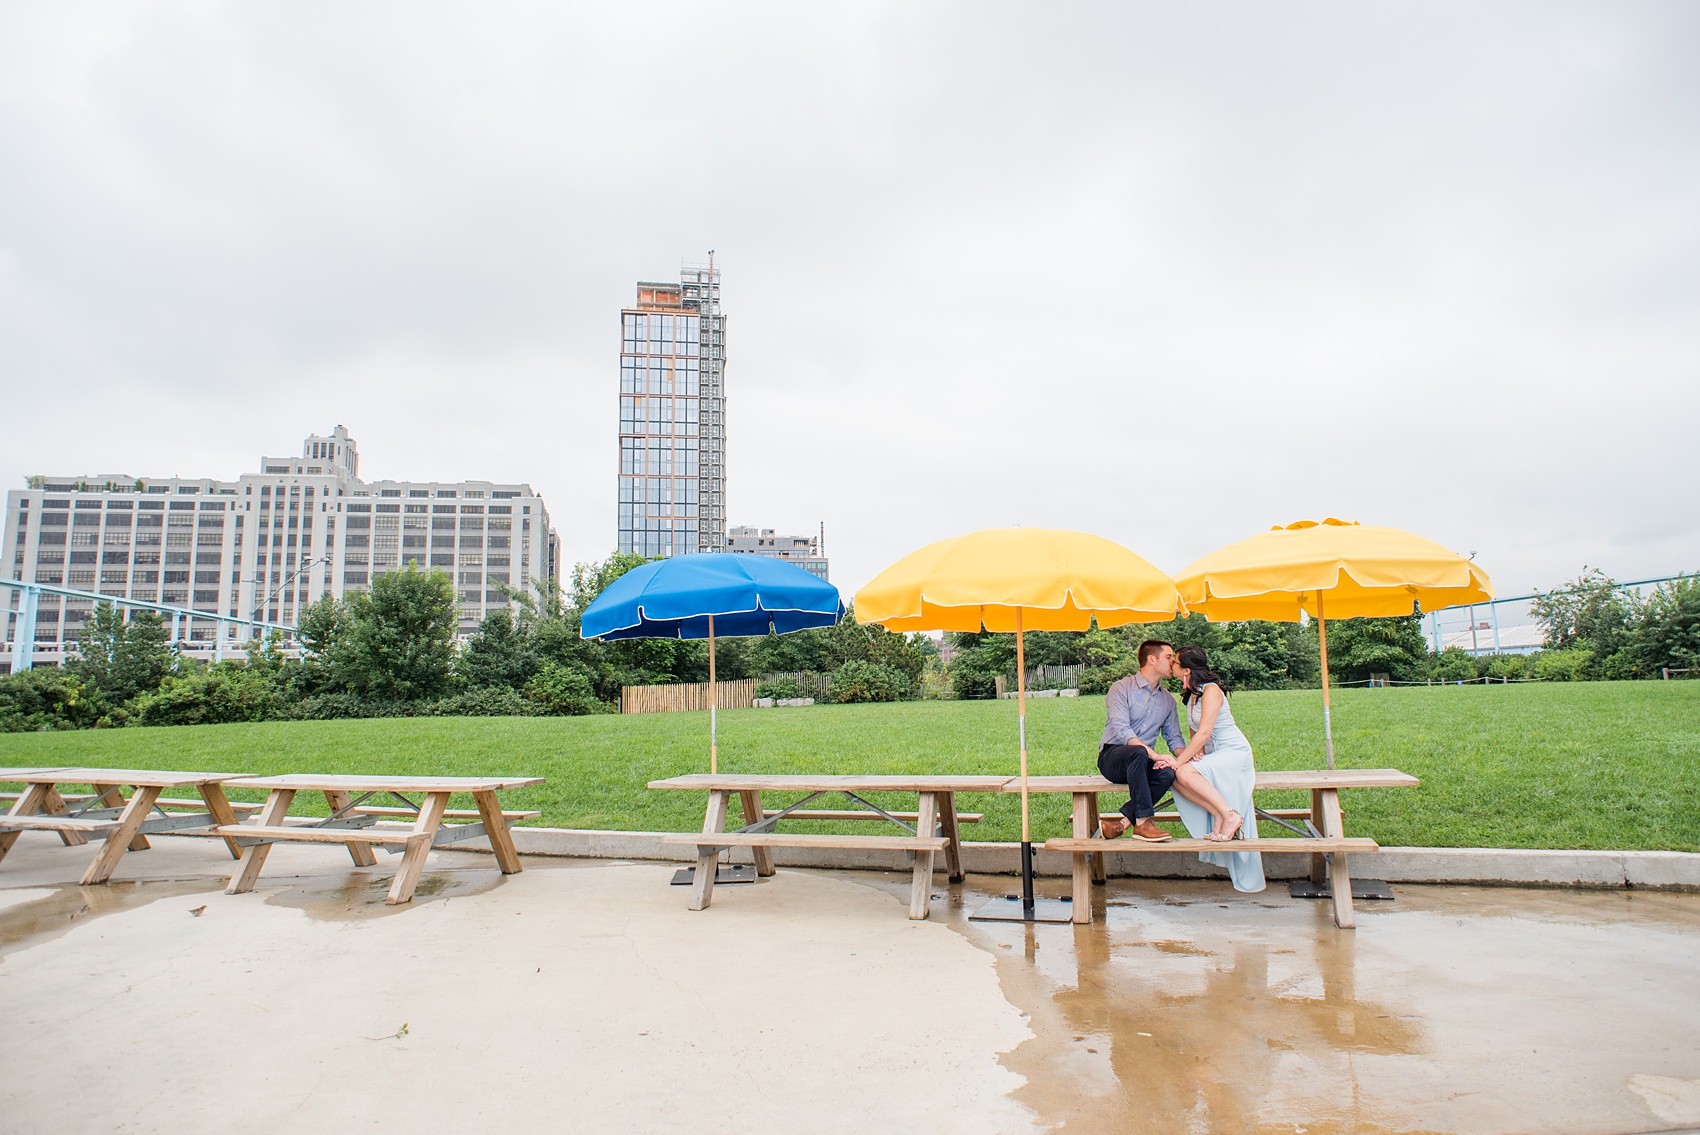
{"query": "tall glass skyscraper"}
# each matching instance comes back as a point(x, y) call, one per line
point(673, 417)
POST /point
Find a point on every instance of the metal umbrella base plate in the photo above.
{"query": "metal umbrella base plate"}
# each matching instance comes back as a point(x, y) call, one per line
point(726, 873)
point(1361, 889)
point(1011, 909)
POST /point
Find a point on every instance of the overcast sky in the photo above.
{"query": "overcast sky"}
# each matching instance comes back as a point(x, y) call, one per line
point(1168, 273)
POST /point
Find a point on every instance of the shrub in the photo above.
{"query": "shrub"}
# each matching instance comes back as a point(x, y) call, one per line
point(563, 689)
point(969, 682)
point(1562, 665)
point(1454, 665)
point(868, 681)
point(784, 686)
point(215, 694)
point(483, 702)
point(1511, 666)
point(46, 698)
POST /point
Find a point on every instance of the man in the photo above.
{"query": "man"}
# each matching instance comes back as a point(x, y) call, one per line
point(1138, 710)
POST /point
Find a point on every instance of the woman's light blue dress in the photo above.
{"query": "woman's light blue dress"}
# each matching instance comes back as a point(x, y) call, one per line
point(1226, 763)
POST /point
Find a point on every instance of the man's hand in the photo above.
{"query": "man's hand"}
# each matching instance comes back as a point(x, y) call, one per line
point(1163, 761)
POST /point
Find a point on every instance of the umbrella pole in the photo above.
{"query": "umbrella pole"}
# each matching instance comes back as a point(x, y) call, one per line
point(1327, 716)
point(714, 702)
point(1021, 715)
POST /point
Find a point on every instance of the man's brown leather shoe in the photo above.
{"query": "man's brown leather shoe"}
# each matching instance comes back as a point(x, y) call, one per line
point(1112, 826)
point(1148, 831)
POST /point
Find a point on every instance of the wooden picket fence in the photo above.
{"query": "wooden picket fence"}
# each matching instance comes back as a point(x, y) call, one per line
point(680, 697)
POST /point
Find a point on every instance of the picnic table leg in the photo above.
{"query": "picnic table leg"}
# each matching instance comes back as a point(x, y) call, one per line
point(1100, 866)
point(753, 815)
point(1082, 870)
point(1339, 877)
point(361, 853)
point(496, 827)
point(921, 892)
point(953, 849)
point(119, 841)
point(112, 796)
point(418, 849)
point(218, 807)
point(28, 803)
point(708, 858)
point(1318, 863)
point(254, 855)
point(55, 804)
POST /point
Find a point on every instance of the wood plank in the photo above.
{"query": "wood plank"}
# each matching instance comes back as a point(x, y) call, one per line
point(318, 782)
point(699, 782)
point(142, 778)
point(254, 855)
point(1279, 813)
point(56, 805)
point(27, 804)
point(291, 834)
point(496, 828)
point(50, 822)
point(118, 840)
point(751, 802)
point(418, 849)
point(949, 817)
point(26, 774)
point(1294, 846)
point(112, 796)
point(1318, 862)
point(864, 814)
point(448, 813)
point(182, 802)
point(336, 800)
point(920, 891)
point(1272, 781)
point(1080, 869)
point(1100, 869)
point(808, 839)
point(218, 806)
point(708, 855)
point(1339, 877)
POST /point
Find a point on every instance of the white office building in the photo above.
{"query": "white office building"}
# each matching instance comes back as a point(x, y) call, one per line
point(804, 551)
point(266, 544)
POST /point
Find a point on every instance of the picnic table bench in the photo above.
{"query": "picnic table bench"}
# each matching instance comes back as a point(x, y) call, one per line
point(354, 823)
point(125, 823)
point(1322, 835)
point(936, 811)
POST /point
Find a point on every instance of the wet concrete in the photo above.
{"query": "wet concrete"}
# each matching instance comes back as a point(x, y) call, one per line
point(585, 996)
point(1189, 1007)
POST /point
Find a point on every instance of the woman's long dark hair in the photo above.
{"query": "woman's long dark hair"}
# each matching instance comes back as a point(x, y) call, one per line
point(1193, 658)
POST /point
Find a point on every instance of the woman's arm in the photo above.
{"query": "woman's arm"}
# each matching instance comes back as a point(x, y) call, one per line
point(1210, 702)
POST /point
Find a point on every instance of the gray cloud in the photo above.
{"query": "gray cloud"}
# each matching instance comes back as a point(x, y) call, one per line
point(1167, 273)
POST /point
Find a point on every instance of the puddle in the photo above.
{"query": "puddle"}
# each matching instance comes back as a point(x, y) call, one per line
point(358, 893)
point(60, 909)
point(1182, 1008)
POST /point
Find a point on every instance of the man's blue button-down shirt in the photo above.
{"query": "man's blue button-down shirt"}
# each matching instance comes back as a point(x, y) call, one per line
point(1138, 712)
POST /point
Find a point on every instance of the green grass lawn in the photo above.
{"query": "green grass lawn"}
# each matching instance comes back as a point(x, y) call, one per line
point(1585, 765)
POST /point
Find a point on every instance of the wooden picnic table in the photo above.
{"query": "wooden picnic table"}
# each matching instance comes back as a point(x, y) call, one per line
point(936, 809)
point(354, 823)
point(126, 823)
point(1322, 836)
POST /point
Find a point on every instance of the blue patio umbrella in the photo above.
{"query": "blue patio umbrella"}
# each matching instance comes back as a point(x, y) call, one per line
point(702, 595)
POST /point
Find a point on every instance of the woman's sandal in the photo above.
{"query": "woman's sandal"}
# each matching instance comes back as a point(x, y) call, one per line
point(1233, 833)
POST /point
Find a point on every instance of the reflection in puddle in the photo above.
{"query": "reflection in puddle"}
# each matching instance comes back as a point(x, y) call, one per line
point(359, 894)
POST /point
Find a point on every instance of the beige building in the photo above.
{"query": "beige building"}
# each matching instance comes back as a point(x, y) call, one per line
point(804, 551)
point(266, 544)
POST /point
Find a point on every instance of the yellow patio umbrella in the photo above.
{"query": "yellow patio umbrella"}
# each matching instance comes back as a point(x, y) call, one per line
point(1015, 580)
point(1329, 569)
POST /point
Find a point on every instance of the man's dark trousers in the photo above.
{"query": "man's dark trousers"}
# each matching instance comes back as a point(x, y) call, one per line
point(1131, 765)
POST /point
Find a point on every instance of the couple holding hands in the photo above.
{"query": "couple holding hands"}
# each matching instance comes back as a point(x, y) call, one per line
point(1211, 776)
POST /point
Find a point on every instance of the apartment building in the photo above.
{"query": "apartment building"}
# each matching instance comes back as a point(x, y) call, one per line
point(266, 544)
point(672, 481)
point(804, 551)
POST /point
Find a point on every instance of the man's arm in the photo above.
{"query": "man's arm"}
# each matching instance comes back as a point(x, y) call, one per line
point(1120, 709)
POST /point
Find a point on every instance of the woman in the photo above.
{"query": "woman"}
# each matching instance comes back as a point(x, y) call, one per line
point(1213, 774)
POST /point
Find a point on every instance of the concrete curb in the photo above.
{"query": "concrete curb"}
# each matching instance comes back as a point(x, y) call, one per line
point(1651, 870)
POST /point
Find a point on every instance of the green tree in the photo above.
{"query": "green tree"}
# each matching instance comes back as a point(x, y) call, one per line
point(1358, 648)
point(500, 655)
point(1591, 614)
point(1668, 633)
point(121, 659)
point(400, 639)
